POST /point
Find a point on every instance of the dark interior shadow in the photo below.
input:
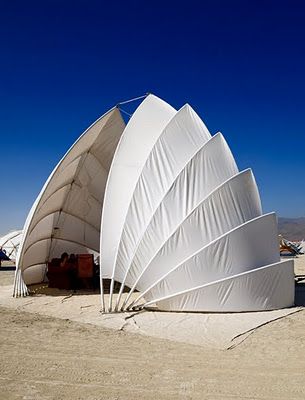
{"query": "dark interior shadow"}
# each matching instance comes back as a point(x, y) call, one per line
point(8, 268)
point(300, 290)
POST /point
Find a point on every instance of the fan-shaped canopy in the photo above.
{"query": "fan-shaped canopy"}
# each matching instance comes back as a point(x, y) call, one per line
point(164, 204)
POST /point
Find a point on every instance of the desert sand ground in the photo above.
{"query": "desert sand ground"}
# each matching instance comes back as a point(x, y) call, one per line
point(50, 358)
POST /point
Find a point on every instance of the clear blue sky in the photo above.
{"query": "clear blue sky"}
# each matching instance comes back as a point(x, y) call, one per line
point(240, 64)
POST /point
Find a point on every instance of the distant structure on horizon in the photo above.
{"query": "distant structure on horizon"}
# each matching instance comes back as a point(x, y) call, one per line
point(292, 228)
point(10, 243)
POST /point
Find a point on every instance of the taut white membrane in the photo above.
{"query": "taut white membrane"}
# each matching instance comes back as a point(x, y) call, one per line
point(258, 289)
point(210, 166)
point(140, 136)
point(170, 213)
point(220, 259)
point(10, 243)
point(227, 207)
point(176, 146)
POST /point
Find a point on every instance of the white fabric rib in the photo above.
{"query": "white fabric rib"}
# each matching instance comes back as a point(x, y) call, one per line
point(176, 146)
point(231, 204)
point(250, 245)
point(212, 165)
point(140, 135)
point(265, 288)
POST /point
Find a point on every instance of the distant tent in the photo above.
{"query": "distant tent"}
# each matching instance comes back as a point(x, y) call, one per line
point(10, 243)
point(3, 256)
point(172, 217)
point(290, 248)
point(302, 246)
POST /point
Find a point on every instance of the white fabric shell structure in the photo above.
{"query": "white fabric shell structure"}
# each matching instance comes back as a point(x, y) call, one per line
point(175, 222)
point(10, 243)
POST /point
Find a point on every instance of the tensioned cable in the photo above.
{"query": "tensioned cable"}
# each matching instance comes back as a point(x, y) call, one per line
point(125, 112)
point(130, 101)
point(133, 99)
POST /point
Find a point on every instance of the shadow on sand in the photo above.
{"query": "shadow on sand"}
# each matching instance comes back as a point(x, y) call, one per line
point(44, 289)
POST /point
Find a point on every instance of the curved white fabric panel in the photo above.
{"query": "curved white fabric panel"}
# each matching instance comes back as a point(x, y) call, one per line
point(227, 207)
point(60, 226)
point(209, 167)
point(35, 274)
point(265, 288)
point(176, 146)
point(140, 135)
point(66, 215)
point(10, 243)
point(250, 245)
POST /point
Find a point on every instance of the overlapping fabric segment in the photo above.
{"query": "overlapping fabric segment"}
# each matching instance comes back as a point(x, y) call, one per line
point(66, 215)
point(140, 135)
point(251, 245)
point(176, 146)
point(229, 205)
point(266, 288)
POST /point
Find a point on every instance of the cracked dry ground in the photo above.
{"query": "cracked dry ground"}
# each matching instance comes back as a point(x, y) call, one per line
point(47, 358)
